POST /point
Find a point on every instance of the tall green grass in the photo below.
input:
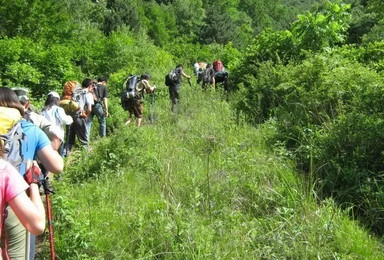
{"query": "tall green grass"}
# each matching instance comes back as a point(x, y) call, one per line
point(195, 185)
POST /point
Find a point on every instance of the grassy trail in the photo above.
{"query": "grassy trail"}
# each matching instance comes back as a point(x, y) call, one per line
point(196, 185)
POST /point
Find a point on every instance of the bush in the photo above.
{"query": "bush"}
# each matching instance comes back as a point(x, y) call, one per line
point(328, 112)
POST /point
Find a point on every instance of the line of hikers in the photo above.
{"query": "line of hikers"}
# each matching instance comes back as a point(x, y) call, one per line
point(24, 149)
point(208, 75)
point(32, 148)
point(134, 87)
point(82, 103)
point(33, 144)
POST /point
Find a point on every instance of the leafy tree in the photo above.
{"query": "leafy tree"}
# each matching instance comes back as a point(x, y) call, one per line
point(45, 20)
point(160, 23)
point(225, 23)
point(122, 13)
point(189, 18)
point(11, 12)
point(314, 31)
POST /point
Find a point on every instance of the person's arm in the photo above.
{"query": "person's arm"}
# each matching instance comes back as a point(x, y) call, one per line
point(63, 117)
point(185, 75)
point(30, 211)
point(147, 87)
point(105, 100)
point(89, 100)
point(89, 109)
point(51, 159)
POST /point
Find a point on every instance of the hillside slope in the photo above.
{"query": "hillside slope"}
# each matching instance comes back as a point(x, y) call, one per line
point(197, 185)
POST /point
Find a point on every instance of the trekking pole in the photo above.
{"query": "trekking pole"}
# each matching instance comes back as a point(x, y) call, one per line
point(189, 82)
point(48, 191)
point(151, 107)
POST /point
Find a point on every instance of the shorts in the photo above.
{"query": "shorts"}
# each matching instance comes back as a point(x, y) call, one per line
point(135, 107)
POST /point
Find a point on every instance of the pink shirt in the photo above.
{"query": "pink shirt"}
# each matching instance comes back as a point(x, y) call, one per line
point(11, 185)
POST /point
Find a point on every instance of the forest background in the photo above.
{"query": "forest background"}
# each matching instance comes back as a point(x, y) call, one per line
point(289, 163)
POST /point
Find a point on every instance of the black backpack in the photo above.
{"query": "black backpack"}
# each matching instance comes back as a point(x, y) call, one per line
point(129, 90)
point(207, 76)
point(171, 78)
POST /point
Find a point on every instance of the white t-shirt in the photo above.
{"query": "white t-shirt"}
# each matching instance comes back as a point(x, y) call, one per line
point(57, 116)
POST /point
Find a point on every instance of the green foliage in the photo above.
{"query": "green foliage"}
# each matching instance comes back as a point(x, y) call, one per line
point(196, 185)
point(315, 31)
point(201, 183)
point(189, 18)
point(323, 108)
point(225, 23)
point(31, 66)
point(122, 13)
point(162, 24)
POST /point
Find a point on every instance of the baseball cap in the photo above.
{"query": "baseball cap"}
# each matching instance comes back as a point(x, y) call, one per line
point(22, 93)
point(54, 94)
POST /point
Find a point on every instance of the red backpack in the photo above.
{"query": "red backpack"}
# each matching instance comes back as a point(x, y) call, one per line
point(218, 65)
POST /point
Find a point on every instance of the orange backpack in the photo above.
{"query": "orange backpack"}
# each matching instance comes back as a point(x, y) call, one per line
point(69, 88)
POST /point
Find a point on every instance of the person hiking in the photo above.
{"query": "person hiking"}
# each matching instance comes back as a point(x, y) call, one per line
point(174, 88)
point(57, 116)
point(207, 77)
point(135, 104)
point(221, 74)
point(78, 128)
point(28, 210)
point(30, 115)
point(100, 108)
point(198, 67)
point(35, 145)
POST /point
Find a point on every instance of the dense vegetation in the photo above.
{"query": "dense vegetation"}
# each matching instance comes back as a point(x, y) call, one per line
point(280, 167)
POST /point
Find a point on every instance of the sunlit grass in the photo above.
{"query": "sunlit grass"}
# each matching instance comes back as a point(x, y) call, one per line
point(196, 186)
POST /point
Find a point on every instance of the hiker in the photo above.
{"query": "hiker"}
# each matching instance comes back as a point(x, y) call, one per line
point(30, 115)
point(57, 116)
point(198, 67)
point(207, 77)
point(174, 88)
point(135, 104)
point(221, 74)
point(84, 99)
point(29, 210)
point(35, 145)
point(100, 107)
point(70, 107)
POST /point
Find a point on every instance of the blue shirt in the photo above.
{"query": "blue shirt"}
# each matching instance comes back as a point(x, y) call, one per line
point(36, 140)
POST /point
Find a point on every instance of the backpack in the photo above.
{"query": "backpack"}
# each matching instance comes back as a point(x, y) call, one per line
point(68, 89)
point(70, 92)
point(171, 78)
point(129, 90)
point(76, 94)
point(168, 81)
point(206, 76)
point(218, 65)
point(15, 146)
